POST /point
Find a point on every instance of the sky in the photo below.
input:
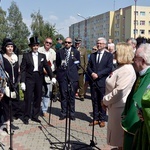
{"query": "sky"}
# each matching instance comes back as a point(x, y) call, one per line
point(63, 13)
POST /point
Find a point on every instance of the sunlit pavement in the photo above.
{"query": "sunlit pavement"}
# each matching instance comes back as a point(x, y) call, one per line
point(43, 136)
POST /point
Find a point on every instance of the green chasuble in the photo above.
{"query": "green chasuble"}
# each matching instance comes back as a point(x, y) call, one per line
point(142, 136)
point(130, 119)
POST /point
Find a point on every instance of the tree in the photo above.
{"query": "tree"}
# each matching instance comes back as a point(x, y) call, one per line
point(37, 24)
point(18, 30)
point(49, 30)
point(3, 25)
point(41, 28)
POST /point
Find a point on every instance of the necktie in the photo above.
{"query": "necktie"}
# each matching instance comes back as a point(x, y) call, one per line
point(98, 57)
point(67, 56)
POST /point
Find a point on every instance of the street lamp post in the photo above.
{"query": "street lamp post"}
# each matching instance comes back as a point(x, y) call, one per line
point(85, 29)
point(59, 29)
point(81, 16)
point(135, 20)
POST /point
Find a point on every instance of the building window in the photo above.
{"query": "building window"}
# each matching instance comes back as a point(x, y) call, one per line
point(116, 33)
point(149, 23)
point(142, 22)
point(117, 16)
point(117, 25)
point(136, 13)
point(136, 22)
point(148, 32)
point(135, 31)
point(142, 13)
point(142, 31)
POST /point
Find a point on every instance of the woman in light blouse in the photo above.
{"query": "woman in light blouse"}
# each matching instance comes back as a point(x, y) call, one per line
point(118, 86)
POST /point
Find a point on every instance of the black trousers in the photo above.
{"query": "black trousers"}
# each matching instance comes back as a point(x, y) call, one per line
point(67, 92)
point(97, 95)
point(33, 95)
point(16, 105)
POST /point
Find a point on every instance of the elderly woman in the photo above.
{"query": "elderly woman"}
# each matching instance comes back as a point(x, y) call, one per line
point(118, 86)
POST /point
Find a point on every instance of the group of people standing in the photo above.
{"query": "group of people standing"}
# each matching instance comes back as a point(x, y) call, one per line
point(127, 97)
point(118, 88)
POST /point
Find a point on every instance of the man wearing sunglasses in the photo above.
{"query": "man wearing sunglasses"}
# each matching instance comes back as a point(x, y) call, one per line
point(67, 60)
point(51, 59)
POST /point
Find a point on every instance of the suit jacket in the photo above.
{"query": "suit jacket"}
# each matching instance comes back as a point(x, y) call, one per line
point(119, 85)
point(71, 71)
point(27, 66)
point(83, 59)
point(103, 69)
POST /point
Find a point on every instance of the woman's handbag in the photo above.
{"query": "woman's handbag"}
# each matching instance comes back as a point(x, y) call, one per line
point(8, 92)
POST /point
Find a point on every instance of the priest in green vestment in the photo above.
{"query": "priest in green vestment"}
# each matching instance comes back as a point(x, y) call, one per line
point(142, 136)
point(130, 120)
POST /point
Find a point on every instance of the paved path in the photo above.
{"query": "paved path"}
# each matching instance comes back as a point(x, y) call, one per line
point(42, 136)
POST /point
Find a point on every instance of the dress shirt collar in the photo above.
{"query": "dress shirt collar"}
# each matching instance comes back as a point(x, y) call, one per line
point(69, 49)
point(100, 52)
point(142, 72)
point(34, 53)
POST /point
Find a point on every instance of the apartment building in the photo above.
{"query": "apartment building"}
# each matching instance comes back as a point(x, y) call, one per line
point(118, 25)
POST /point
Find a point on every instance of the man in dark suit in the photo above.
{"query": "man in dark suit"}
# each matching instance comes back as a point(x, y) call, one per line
point(67, 60)
point(32, 76)
point(99, 67)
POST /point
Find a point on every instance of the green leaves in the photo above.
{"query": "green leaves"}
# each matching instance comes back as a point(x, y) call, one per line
point(41, 28)
point(13, 27)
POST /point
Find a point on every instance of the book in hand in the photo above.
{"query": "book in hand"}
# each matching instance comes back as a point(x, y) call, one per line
point(49, 63)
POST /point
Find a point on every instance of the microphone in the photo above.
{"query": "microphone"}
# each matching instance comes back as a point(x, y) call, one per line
point(63, 64)
point(76, 62)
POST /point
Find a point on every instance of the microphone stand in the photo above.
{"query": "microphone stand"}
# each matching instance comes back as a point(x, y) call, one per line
point(2, 146)
point(68, 115)
point(50, 110)
point(92, 143)
point(11, 87)
point(70, 89)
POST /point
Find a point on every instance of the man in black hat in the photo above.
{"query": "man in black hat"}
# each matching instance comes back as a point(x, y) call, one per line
point(83, 63)
point(32, 76)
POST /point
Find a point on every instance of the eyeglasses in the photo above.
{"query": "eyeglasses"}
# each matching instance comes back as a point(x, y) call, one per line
point(100, 43)
point(94, 49)
point(67, 42)
point(137, 58)
point(48, 42)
